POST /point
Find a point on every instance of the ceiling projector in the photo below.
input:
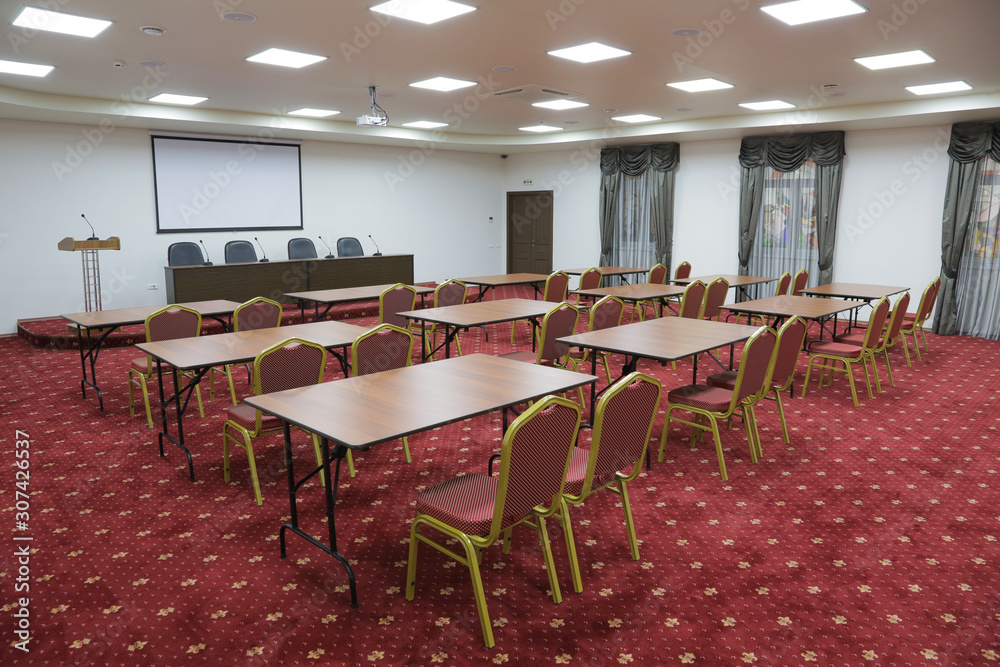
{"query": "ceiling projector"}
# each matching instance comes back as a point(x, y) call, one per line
point(372, 120)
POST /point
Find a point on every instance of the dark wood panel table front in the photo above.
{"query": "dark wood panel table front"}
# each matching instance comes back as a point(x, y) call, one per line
point(486, 283)
point(359, 412)
point(475, 314)
point(107, 321)
point(203, 352)
point(331, 297)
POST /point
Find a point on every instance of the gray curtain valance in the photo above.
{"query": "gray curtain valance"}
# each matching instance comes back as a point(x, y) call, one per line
point(634, 160)
point(975, 140)
point(788, 152)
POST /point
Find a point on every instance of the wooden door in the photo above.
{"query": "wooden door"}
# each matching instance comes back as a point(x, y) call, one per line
point(529, 232)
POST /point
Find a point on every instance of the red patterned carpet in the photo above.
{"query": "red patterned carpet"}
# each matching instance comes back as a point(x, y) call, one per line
point(871, 540)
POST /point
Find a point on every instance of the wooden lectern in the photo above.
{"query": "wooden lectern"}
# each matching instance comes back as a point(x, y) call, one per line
point(91, 265)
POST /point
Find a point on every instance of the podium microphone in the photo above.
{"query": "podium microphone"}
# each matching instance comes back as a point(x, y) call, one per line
point(94, 237)
point(208, 260)
point(264, 258)
point(376, 253)
point(328, 248)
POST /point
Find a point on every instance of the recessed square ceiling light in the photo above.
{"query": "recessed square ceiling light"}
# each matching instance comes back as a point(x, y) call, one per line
point(170, 98)
point(769, 105)
point(589, 53)
point(807, 11)
point(313, 113)
point(67, 24)
point(700, 85)
point(540, 128)
point(888, 60)
point(423, 11)
point(443, 84)
point(285, 58)
point(636, 118)
point(935, 88)
point(560, 105)
point(425, 124)
point(27, 69)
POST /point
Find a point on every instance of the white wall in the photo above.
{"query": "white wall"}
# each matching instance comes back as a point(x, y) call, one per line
point(433, 204)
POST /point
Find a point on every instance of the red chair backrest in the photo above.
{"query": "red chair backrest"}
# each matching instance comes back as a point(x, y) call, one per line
point(657, 275)
point(534, 458)
point(559, 322)
point(875, 323)
point(692, 300)
point(715, 296)
point(784, 282)
point(790, 337)
point(591, 279)
point(622, 422)
point(172, 323)
point(385, 348)
point(289, 366)
point(449, 293)
point(397, 299)
point(556, 287)
point(606, 313)
point(258, 313)
point(801, 279)
point(683, 270)
point(754, 364)
point(896, 319)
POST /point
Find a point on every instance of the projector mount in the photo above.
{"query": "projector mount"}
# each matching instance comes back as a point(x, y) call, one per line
point(378, 117)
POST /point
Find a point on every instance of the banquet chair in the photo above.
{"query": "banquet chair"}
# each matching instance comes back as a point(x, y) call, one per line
point(556, 291)
point(449, 293)
point(786, 357)
point(914, 322)
point(589, 279)
point(238, 252)
point(396, 299)
point(715, 403)
point(889, 335)
point(184, 253)
point(301, 248)
point(683, 271)
point(384, 348)
point(800, 282)
point(831, 352)
point(475, 510)
point(657, 276)
point(784, 282)
point(289, 364)
point(623, 421)
point(349, 246)
point(168, 323)
point(259, 313)
point(604, 314)
point(559, 322)
point(715, 296)
point(692, 300)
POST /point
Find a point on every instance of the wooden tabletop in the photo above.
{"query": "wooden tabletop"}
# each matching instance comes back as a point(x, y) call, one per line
point(663, 339)
point(346, 294)
point(637, 292)
point(119, 317)
point(733, 280)
point(243, 346)
point(787, 306)
point(607, 270)
point(506, 279)
point(359, 412)
point(854, 291)
point(481, 312)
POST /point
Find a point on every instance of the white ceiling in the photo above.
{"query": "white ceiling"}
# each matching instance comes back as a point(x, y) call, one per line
point(763, 58)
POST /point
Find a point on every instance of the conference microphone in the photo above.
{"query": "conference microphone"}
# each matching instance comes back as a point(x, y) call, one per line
point(264, 258)
point(208, 260)
point(94, 237)
point(376, 253)
point(328, 248)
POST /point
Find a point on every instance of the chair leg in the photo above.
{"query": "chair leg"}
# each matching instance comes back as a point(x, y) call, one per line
point(924, 337)
point(888, 366)
point(633, 543)
point(145, 400)
point(718, 448)
point(906, 349)
point(478, 592)
point(232, 390)
point(350, 465)
point(781, 417)
point(574, 563)
point(411, 561)
point(406, 449)
point(850, 378)
point(550, 565)
point(753, 436)
point(663, 436)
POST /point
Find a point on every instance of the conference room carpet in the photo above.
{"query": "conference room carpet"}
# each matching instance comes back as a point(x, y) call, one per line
point(871, 540)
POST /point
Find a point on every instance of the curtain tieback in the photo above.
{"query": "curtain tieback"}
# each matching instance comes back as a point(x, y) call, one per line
point(949, 273)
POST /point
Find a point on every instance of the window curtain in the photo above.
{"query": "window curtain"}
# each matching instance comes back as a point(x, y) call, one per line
point(760, 156)
point(637, 204)
point(972, 144)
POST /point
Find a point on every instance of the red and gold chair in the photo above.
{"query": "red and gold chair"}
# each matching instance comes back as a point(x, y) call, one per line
point(289, 364)
point(832, 352)
point(449, 293)
point(715, 296)
point(715, 403)
point(683, 271)
point(890, 333)
point(657, 276)
point(589, 279)
point(790, 338)
point(476, 510)
point(259, 313)
point(559, 322)
point(914, 322)
point(399, 298)
point(623, 421)
point(384, 348)
point(801, 280)
point(604, 314)
point(556, 291)
point(165, 324)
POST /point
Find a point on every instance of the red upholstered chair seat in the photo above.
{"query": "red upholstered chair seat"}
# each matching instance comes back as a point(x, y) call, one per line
point(714, 399)
point(465, 503)
point(140, 364)
point(724, 380)
point(246, 416)
point(835, 348)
